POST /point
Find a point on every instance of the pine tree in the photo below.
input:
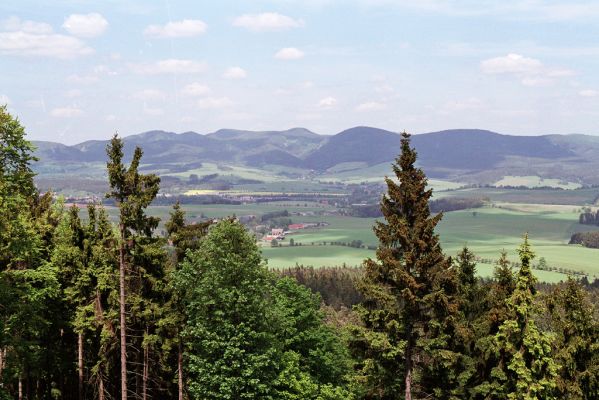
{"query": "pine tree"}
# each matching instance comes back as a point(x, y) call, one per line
point(496, 312)
point(409, 292)
point(526, 369)
point(133, 192)
point(468, 285)
point(577, 328)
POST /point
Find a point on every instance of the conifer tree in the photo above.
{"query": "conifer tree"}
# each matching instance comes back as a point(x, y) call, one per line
point(574, 321)
point(525, 368)
point(133, 192)
point(468, 285)
point(409, 291)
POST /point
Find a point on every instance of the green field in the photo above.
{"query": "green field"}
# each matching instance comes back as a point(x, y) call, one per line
point(487, 233)
point(535, 181)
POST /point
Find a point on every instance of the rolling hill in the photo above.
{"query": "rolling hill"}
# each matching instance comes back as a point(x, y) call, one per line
point(465, 155)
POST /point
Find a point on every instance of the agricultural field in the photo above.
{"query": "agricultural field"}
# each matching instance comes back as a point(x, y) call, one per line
point(486, 231)
point(535, 181)
point(549, 216)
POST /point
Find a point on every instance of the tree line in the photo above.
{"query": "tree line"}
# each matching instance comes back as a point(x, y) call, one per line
point(90, 309)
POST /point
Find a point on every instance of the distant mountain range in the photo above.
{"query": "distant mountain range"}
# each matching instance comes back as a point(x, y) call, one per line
point(467, 155)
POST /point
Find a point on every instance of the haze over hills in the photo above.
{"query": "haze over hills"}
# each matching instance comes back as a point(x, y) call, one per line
point(465, 155)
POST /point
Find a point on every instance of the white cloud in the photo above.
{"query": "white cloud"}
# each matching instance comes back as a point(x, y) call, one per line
point(509, 9)
point(512, 63)
point(170, 66)
point(289, 53)
point(214, 102)
point(195, 89)
point(530, 71)
point(149, 95)
point(13, 24)
point(267, 22)
point(327, 102)
point(30, 38)
point(588, 93)
point(371, 106)
point(85, 25)
point(234, 73)
point(66, 112)
point(111, 117)
point(177, 29)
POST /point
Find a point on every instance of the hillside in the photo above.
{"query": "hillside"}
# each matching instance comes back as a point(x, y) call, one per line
point(465, 155)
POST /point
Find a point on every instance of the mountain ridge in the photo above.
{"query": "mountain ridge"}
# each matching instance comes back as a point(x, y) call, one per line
point(449, 154)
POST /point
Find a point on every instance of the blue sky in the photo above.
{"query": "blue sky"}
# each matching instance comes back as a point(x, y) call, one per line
point(74, 70)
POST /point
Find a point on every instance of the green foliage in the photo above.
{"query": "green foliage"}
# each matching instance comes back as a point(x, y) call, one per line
point(574, 318)
point(16, 155)
point(232, 351)
point(249, 336)
point(410, 306)
point(526, 369)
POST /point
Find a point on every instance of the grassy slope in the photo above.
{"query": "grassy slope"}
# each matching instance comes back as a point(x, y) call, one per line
point(486, 234)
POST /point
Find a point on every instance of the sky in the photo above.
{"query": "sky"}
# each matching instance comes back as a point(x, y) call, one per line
point(75, 70)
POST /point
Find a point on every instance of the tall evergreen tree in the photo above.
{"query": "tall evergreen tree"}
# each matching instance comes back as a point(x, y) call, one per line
point(577, 328)
point(409, 291)
point(525, 368)
point(133, 192)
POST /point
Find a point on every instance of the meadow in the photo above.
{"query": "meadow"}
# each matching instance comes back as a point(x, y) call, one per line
point(486, 231)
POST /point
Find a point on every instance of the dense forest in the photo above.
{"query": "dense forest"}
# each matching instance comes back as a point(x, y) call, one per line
point(587, 239)
point(91, 309)
point(588, 217)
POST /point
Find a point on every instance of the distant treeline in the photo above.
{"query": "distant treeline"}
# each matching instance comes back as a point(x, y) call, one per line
point(274, 214)
point(588, 217)
point(587, 239)
point(457, 203)
point(336, 285)
point(440, 205)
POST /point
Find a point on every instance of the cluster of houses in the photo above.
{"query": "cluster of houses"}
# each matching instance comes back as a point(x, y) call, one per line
point(279, 233)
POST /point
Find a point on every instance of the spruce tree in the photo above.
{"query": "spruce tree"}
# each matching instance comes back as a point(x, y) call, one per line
point(525, 369)
point(577, 327)
point(133, 192)
point(409, 292)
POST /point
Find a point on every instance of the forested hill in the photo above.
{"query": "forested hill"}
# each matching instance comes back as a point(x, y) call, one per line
point(447, 154)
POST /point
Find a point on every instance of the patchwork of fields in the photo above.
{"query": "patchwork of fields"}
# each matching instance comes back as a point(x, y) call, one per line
point(486, 231)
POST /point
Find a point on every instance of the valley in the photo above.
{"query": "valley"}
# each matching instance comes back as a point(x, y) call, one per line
point(338, 180)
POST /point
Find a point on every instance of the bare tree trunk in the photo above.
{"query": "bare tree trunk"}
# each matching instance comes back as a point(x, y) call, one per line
point(20, 388)
point(80, 363)
point(408, 370)
point(2, 352)
point(123, 315)
point(101, 389)
point(144, 384)
point(180, 369)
